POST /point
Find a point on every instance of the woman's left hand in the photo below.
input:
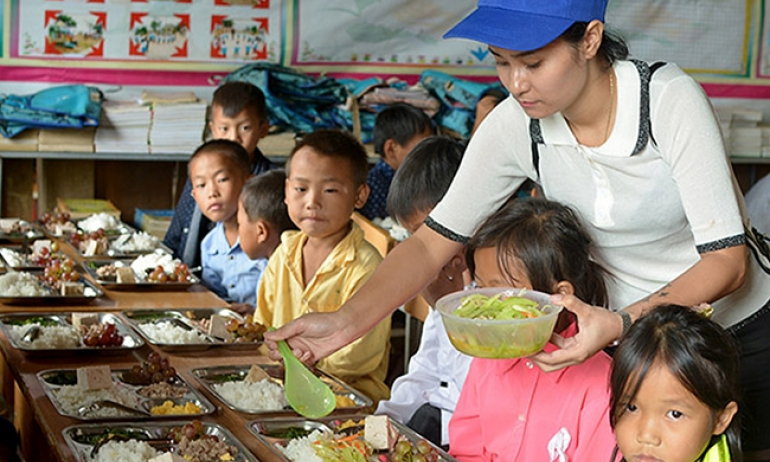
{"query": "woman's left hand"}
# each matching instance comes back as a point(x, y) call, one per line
point(597, 328)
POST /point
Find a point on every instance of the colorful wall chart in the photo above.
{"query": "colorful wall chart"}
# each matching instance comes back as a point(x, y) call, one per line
point(185, 42)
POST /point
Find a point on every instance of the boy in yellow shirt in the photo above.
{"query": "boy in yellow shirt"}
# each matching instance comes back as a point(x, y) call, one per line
point(319, 267)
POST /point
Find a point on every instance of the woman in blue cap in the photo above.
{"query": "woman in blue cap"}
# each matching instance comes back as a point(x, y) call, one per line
point(635, 149)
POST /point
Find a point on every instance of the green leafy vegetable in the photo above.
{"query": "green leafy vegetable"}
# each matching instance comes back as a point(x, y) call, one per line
point(478, 306)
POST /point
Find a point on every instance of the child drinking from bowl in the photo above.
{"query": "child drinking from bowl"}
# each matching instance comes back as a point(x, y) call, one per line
point(509, 409)
point(675, 389)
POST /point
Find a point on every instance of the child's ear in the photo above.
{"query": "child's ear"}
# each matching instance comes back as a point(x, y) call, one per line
point(389, 150)
point(564, 288)
point(724, 417)
point(262, 229)
point(362, 194)
point(264, 129)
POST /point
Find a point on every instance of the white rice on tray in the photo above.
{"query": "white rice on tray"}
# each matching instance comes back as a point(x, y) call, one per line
point(126, 451)
point(12, 257)
point(101, 220)
point(302, 449)
point(171, 334)
point(136, 242)
point(264, 395)
point(72, 397)
point(18, 284)
point(50, 338)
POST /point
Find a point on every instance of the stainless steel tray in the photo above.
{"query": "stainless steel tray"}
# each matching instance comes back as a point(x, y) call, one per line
point(111, 283)
point(90, 293)
point(211, 376)
point(53, 380)
point(25, 263)
point(131, 341)
point(188, 319)
point(30, 234)
point(78, 436)
point(266, 430)
point(114, 253)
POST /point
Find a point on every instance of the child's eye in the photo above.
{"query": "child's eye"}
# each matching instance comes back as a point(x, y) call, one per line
point(300, 188)
point(631, 407)
point(223, 179)
point(500, 63)
point(534, 65)
point(674, 414)
point(246, 128)
point(198, 185)
point(330, 190)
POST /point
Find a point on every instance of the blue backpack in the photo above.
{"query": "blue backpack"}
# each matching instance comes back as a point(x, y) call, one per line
point(297, 101)
point(69, 106)
point(458, 98)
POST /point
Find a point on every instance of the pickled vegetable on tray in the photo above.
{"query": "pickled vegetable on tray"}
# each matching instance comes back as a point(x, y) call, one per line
point(478, 306)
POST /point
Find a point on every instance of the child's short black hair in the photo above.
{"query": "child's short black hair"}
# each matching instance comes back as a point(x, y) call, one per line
point(234, 97)
point(399, 122)
point(550, 242)
point(697, 351)
point(230, 150)
point(424, 177)
point(263, 198)
point(336, 144)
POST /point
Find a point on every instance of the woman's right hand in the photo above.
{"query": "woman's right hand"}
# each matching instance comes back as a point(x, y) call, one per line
point(597, 328)
point(312, 336)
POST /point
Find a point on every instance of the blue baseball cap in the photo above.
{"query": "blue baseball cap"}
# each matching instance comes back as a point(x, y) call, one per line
point(525, 25)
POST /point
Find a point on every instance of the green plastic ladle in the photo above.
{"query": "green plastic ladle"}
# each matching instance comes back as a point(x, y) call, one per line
point(305, 392)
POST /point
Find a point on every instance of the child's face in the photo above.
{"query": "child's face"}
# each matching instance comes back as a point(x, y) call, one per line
point(488, 273)
point(216, 185)
point(321, 193)
point(249, 233)
point(245, 128)
point(666, 422)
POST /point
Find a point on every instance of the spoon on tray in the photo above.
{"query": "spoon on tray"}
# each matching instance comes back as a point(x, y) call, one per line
point(305, 392)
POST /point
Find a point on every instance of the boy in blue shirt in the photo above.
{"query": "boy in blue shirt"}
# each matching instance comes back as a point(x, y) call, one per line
point(239, 114)
point(218, 170)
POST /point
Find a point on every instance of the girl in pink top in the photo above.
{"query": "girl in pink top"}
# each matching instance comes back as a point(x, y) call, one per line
point(510, 410)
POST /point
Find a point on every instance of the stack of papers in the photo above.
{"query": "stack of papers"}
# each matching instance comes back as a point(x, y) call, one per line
point(124, 126)
point(177, 128)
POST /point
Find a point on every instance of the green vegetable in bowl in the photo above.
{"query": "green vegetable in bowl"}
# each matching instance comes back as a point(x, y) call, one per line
point(478, 306)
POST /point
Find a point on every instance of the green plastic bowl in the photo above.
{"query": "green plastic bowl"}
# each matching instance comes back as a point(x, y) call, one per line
point(514, 338)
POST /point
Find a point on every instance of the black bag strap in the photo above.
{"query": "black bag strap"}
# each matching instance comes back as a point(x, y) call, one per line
point(645, 125)
point(758, 243)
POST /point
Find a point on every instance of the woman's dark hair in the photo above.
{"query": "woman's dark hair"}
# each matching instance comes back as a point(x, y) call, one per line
point(399, 122)
point(230, 150)
point(336, 144)
point(696, 350)
point(613, 47)
point(549, 241)
point(263, 198)
point(424, 177)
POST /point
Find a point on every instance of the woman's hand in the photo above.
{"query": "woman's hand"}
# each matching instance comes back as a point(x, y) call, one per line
point(312, 336)
point(597, 328)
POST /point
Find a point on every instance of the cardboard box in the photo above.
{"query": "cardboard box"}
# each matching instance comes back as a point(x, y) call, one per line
point(155, 222)
point(25, 141)
point(82, 208)
point(66, 139)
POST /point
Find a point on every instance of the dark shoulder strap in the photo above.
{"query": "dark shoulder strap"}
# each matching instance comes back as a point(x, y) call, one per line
point(654, 67)
point(536, 137)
